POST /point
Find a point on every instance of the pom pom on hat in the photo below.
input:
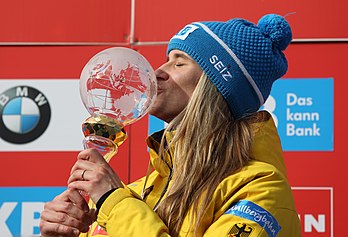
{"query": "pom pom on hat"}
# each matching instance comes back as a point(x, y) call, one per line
point(277, 28)
point(241, 59)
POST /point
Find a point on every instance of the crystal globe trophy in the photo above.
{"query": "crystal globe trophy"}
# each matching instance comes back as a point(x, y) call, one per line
point(117, 87)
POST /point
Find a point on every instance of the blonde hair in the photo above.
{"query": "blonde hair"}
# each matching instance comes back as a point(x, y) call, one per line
point(209, 145)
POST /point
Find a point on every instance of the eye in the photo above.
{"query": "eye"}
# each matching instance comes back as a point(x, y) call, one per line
point(179, 64)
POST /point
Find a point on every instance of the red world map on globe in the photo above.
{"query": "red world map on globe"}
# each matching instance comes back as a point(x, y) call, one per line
point(126, 82)
point(118, 84)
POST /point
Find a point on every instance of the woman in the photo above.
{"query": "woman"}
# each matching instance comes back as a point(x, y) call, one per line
point(218, 168)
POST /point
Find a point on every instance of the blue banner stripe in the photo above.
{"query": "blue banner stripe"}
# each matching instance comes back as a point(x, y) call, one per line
point(253, 212)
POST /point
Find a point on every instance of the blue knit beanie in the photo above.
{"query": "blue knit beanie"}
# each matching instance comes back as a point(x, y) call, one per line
point(241, 59)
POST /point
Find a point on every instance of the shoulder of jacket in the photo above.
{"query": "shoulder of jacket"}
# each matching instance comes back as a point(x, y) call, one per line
point(258, 182)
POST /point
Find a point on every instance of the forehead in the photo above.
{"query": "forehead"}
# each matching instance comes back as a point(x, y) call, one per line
point(175, 53)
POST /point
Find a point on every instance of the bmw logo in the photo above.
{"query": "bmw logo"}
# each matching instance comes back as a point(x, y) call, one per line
point(24, 114)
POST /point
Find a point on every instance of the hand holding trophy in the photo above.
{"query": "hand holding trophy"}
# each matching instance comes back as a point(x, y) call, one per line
point(117, 87)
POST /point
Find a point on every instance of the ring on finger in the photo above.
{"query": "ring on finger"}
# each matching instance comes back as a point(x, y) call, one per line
point(83, 175)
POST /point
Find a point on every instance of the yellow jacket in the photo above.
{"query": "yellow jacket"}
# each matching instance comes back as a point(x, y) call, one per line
point(257, 201)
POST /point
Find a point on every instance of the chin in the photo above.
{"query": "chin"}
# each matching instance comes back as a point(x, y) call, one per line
point(155, 112)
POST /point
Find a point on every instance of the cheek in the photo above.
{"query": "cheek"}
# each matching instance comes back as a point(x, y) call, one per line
point(190, 85)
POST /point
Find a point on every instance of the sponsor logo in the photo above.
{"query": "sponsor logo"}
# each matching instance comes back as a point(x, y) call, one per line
point(304, 116)
point(253, 212)
point(20, 209)
point(315, 207)
point(67, 113)
point(220, 67)
point(182, 34)
point(240, 230)
point(24, 114)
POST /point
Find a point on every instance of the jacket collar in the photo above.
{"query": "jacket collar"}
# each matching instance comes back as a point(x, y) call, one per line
point(267, 146)
point(163, 167)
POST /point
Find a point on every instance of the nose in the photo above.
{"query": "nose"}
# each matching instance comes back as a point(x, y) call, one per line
point(161, 73)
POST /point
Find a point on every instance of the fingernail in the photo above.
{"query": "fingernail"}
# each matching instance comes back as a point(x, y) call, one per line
point(76, 232)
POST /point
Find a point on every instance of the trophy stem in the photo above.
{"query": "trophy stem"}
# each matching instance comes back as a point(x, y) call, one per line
point(106, 147)
point(103, 134)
